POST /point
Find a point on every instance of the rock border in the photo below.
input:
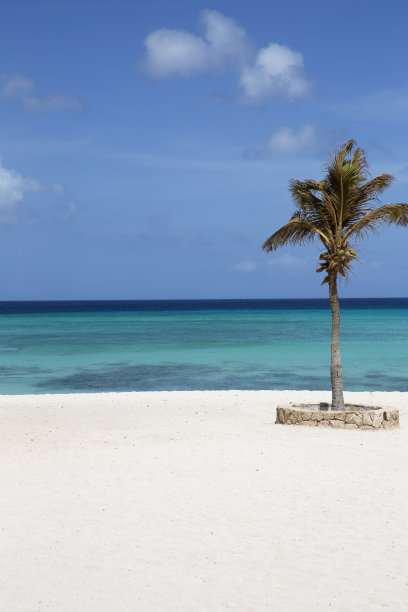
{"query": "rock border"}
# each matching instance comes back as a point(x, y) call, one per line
point(354, 417)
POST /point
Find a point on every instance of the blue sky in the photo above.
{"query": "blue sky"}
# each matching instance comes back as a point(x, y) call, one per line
point(146, 147)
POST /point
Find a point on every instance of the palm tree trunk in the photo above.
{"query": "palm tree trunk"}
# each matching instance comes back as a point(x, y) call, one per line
point(336, 370)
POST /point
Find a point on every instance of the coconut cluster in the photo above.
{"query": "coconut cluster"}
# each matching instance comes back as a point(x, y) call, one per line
point(335, 262)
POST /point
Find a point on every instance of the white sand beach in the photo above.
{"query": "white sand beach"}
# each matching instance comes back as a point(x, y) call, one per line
point(195, 501)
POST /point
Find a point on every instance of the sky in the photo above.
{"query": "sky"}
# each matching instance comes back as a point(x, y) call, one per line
point(146, 146)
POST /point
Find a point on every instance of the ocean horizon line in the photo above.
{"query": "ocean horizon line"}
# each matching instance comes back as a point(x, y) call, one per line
point(36, 307)
point(210, 299)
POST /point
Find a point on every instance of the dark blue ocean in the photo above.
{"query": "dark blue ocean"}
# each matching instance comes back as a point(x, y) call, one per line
point(92, 346)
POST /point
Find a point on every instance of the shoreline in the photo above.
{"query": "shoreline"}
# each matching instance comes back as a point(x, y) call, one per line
point(192, 500)
point(275, 392)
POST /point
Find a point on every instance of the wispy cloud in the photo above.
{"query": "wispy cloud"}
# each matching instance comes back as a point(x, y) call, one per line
point(247, 265)
point(272, 71)
point(47, 147)
point(285, 141)
point(289, 263)
point(276, 263)
point(20, 90)
point(385, 106)
point(15, 189)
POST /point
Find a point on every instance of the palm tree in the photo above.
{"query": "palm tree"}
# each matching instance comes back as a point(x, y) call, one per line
point(338, 210)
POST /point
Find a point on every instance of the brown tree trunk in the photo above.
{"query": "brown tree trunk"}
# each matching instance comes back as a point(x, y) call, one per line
point(335, 367)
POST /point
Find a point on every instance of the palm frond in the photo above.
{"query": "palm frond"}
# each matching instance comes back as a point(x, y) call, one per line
point(377, 218)
point(343, 178)
point(362, 200)
point(359, 159)
point(312, 200)
point(297, 231)
point(376, 185)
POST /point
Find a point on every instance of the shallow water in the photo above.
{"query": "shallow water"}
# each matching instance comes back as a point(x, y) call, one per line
point(68, 347)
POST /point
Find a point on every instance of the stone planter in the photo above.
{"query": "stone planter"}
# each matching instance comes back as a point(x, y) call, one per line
point(353, 417)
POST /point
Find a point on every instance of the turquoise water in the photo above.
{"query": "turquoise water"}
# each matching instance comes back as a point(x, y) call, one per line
point(265, 344)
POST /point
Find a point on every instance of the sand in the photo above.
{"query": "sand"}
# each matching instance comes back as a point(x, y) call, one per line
point(197, 501)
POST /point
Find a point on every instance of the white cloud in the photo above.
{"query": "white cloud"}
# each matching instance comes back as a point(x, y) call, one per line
point(19, 89)
point(14, 190)
point(228, 41)
point(275, 70)
point(176, 52)
point(286, 141)
point(247, 265)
